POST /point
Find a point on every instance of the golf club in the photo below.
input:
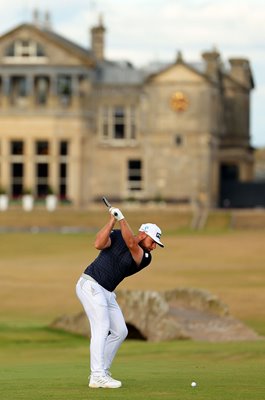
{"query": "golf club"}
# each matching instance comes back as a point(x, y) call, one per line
point(107, 203)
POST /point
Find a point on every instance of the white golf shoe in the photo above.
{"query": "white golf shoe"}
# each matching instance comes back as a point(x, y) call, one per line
point(105, 381)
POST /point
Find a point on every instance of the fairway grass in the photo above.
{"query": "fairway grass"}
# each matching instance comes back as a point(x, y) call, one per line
point(39, 364)
point(38, 273)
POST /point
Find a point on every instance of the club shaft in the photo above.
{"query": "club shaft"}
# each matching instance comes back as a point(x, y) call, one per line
point(107, 203)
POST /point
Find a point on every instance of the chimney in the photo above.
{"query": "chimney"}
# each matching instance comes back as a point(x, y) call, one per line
point(98, 40)
point(212, 61)
point(241, 72)
point(179, 58)
point(47, 21)
point(35, 17)
point(43, 20)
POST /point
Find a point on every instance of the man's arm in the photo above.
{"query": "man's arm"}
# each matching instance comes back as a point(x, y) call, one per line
point(131, 241)
point(103, 236)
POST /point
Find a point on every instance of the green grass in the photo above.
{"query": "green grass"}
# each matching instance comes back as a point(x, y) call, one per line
point(39, 364)
point(37, 278)
point(169, 218)
point(38, 272)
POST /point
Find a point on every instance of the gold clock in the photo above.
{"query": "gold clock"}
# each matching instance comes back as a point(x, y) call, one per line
point(179, 102)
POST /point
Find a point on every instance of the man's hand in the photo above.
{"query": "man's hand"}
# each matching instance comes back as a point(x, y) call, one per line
point(116, 212)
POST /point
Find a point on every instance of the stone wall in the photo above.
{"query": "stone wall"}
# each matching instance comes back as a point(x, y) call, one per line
point(171, 315)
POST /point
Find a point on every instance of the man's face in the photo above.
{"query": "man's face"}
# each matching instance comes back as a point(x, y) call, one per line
point(147, 243)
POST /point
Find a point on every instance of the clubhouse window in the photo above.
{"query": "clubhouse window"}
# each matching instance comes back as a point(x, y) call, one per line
point(17, 174)
point(22, 48)
point(16, 147)
point(42, 176)
point(178, 140)
point(63, 148)
point(42, 84)
point(63, 171)
point(42, 147)
point(134, 175)
point(64, 89)
point(117, 124)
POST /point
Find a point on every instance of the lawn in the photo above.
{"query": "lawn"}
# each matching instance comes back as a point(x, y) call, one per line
point(38, 271)
point(39, 364)
point(37, 281)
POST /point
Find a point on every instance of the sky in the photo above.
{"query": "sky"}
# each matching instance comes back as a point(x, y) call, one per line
point(144, 31)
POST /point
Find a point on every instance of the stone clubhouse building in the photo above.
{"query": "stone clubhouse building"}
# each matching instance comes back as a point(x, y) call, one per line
point(85, 126)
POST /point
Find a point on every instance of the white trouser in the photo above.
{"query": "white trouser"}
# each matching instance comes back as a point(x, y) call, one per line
point(107, 325)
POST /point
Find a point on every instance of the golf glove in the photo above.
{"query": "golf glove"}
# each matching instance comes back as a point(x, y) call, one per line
point(116, 212)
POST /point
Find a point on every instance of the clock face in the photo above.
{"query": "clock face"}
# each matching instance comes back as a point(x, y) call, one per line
point(179, 102)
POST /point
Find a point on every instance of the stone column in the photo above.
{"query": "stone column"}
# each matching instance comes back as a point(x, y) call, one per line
point(6, 91)
point(75, 91)
point(53, 164)
point(30, 90)
point(5, 164)
point(75, 171)
point(29, 165)
point(53, 95)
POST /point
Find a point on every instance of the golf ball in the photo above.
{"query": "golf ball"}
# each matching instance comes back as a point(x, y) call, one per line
point(193, 384)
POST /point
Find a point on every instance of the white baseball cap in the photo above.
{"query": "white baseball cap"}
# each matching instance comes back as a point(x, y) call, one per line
point(153, 231)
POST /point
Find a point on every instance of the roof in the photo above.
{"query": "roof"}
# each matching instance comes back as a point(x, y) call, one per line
point(55, 38)
point(66, 42)
point(123, 72)
point(119, 72)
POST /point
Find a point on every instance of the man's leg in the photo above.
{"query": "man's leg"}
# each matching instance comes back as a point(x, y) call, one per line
point(93, 299)
point(118, 331)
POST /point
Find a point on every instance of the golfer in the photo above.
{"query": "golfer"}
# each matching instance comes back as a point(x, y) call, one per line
point(121, 254)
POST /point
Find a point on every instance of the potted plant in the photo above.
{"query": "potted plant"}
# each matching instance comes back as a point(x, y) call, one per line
point(3, 199)
point(51, 199)
point(27, 200)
